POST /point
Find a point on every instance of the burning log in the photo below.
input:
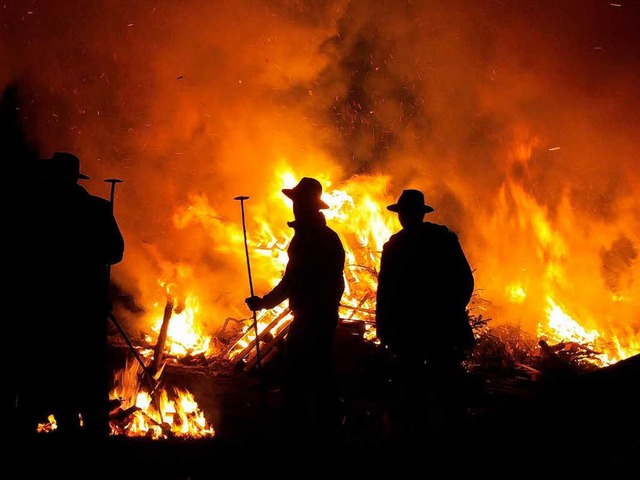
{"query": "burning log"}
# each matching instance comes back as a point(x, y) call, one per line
point(359, 309)
point(247, 359)
point(268, 350)
point(122, 415)
point(164, 427)
point(162, 336)
point(264, 336)
point(271, 353)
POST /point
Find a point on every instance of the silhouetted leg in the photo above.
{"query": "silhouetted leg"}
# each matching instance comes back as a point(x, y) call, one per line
point(449, 380)
point(96, 395)
point(295, 418)
point(326, 407)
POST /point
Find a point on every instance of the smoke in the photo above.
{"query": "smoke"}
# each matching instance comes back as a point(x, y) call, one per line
point(193, 103)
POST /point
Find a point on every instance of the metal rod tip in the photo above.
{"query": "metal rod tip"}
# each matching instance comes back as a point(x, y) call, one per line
point(241, 197)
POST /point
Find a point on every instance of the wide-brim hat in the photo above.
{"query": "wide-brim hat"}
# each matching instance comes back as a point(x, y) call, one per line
point(309, 191)
point(410, 200)
point(65, 164)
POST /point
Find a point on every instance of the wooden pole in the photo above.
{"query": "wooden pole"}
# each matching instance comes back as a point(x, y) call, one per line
point(162, 336)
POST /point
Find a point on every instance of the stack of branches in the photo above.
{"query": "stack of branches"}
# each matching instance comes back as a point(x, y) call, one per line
point(567, 357)
point(504, 357)
point(512, 360)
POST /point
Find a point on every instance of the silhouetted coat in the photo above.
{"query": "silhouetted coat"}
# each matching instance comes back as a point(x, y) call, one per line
point(313, 283)
point(424, 285)
point(78, 240)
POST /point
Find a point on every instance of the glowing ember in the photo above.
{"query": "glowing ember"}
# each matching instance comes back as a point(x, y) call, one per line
point(49, 426)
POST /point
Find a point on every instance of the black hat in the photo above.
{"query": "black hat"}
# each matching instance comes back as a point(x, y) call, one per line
point(308, 190)
point(411, 200)
point(66, 165)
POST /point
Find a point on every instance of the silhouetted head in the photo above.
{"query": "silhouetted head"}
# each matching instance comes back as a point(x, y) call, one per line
point(410, 208)
point(64, 167)
point(306, 196)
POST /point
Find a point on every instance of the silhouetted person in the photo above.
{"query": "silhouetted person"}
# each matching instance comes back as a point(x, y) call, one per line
point(78, 240)
point(18, 156)
point(424, 286)
point(313, 283)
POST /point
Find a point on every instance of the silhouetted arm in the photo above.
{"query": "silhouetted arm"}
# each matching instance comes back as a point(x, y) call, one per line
point(383, 310)
point(462, 274)
point(280, 292)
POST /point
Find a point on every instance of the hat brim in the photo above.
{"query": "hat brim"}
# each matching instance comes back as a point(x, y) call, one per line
point(288, 192)
point(399, 208)
point(291, 193)
point(44, 161)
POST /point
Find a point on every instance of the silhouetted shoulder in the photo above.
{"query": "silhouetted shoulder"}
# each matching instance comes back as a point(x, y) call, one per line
point(441, 234)
point(335, 236)
point(431, 228)
point(99, 202)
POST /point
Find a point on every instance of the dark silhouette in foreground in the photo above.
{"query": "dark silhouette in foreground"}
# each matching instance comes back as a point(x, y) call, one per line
point(17, 154)
point(313, 283)
point(424, 286)
point(78, 239)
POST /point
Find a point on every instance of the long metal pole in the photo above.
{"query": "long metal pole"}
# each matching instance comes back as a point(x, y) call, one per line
point(113, 182)
point(242, 198)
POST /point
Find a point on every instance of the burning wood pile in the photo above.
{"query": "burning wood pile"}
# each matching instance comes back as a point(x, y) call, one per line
point(154, 413)
point(510, 360)
point(512, 357)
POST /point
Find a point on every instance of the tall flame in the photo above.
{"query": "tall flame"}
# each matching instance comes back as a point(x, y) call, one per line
point(174, 413)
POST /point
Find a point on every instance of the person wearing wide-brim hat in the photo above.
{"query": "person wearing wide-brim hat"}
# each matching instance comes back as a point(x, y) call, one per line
point(67, 165)
point(425, 283)
point(410, 201)
point(78, 239)
point(62, 168)
point(313, 283)
point(307, 195)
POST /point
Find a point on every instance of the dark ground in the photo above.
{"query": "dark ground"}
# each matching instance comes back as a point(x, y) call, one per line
point(569, 423)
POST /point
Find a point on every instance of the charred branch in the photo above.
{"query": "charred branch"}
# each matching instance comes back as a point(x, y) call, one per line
point(162, 336)
point(268, 350)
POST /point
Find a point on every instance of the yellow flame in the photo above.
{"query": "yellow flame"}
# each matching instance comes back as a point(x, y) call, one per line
point(562, 327)
point(176, 415)
point(516, 293)
point(185, 335)
point(527, 264)
point(49, 426)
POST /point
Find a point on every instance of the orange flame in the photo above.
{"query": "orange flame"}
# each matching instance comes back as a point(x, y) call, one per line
point(176, 414)
point(524, 281)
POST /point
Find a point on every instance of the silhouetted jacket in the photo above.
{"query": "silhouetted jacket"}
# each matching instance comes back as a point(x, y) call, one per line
point(85, 236)
point(424, 285)
point(78, 240)
point(313, 280)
